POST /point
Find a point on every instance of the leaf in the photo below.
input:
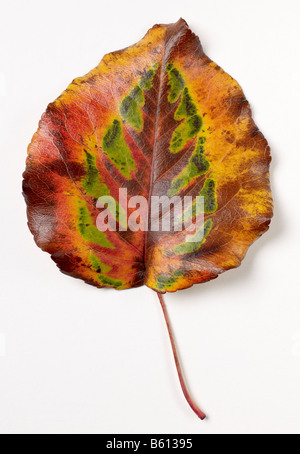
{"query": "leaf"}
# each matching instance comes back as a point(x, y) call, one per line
point(158, 118)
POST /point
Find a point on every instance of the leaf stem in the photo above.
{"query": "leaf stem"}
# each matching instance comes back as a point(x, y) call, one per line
point(185, 391)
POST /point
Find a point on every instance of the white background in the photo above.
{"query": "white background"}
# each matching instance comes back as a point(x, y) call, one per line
point(75, 359)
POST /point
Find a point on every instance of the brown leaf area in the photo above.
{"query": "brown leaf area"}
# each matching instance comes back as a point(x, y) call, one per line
point(158, 118)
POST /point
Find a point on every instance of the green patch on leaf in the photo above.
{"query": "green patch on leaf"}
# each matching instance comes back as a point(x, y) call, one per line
point(176, 82)
point(186, 108)
point(191, 122)
point(95, 188)
point(197, 165)
point(197, 240)
point(109, 282)
point(178, 273)
point(117, 150)
point(194, 124)
point(92, 183)
point(209, 193)
point(130, 108)
point(97, 265)
point(184, 132)
point(147, 79)
point(209, 205)
point(165, 281)
point(120, 215)
point(89, 231)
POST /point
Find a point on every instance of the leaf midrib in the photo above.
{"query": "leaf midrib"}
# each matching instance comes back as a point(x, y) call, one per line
point(155, 136)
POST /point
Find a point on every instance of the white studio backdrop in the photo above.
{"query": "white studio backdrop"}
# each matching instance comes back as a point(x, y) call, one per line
point(75, 359)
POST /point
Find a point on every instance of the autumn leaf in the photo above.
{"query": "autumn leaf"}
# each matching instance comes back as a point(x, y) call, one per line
point(158, 118)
